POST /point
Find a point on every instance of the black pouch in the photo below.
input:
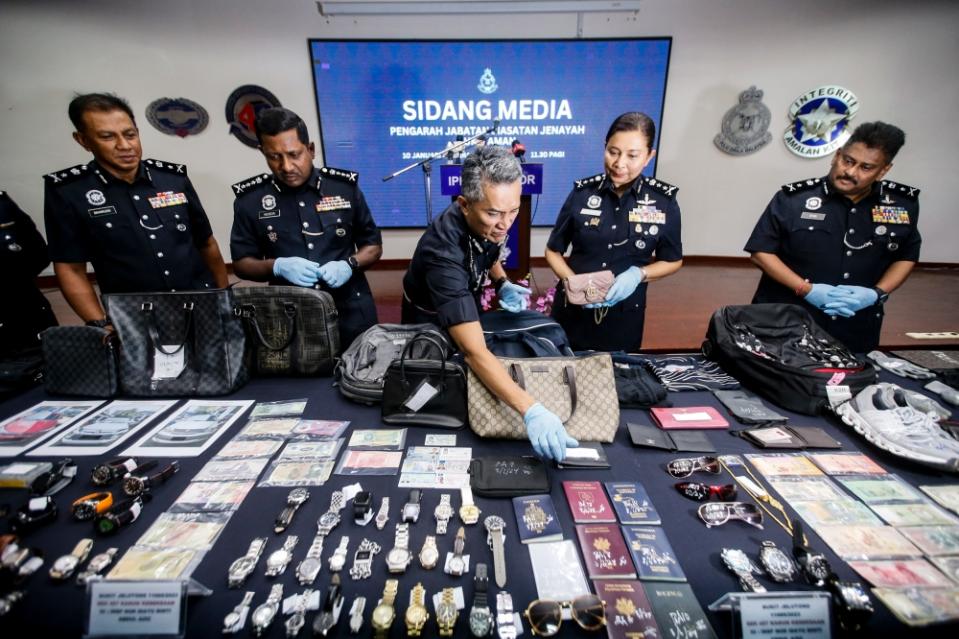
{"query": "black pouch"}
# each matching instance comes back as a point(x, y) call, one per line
point(508, 476)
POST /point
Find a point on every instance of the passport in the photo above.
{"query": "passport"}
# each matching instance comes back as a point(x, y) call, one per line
point(632, 503)
point(536, 519)
point(605, 552)
point(677, 611)
point(652, 554)
point(587, 502)
point(628, 613)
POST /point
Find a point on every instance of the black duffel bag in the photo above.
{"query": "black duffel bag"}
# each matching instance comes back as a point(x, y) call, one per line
point(778, 351)
point(291, 330)
point(524, 334)
point(425, 391)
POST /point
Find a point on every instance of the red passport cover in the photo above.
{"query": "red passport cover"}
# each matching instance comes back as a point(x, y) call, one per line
point(688, 418)
point(588, 503)
point(605, 552)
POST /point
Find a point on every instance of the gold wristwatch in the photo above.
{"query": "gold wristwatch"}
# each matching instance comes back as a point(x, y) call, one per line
point(447, 613)
point(416, 614)
point(384, 614)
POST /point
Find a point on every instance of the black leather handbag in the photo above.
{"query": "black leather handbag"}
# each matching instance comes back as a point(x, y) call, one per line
point(179, 344)
point(425, 391)
point(80, 360)
point(291, 330)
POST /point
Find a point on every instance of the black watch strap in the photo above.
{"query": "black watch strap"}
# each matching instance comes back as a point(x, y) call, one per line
point(353, 262)
point(122, 514)
point(164, 474)
point(416, 495)
point(881, 295)
point(480, 586)
point(100, 323)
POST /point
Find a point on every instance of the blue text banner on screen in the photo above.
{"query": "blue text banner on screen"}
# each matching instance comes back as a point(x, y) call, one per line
point(383, 105)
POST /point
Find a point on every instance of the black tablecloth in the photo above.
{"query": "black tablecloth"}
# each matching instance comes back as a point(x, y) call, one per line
point(52, 609)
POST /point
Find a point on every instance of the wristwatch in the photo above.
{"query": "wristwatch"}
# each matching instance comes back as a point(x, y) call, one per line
point(446, 613)
point(89, 506)
point(494, 539)
point(7, 601)
point(264, 613)
point(328, 520)
point(279, 559)
point(443, 513)
point(135, 485)
point(309, 567)
point(384, 614)
point(97, 564)
point(429, 554)
point(297, 620)
point(813, 565)
point(234, 620)
point(356, 615)
point(416, 615)
point(852, 604)
point(363, 559)
point(778, 565)
point(243, 567)
point(362, 507)
point(338, 558)
point(481, 617)
point(122, 514)
point(457, 565)
point(55, 479)
point(29, 567)
point(411, 509)
point(63, 567)
point(469, 512)
point(353, 262)
point(328, 617)
point(108, 472)
point(738, 562)
point(98, 323)
point(400, 556)
point(383, 515)
point(505, 621)
point(881, 296)
point(33, 514)
point(296, 498)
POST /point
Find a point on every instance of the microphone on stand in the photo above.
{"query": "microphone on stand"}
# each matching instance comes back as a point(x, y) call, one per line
point(519, 150)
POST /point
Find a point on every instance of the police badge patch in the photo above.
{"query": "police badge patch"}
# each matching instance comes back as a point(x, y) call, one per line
point(241, 109)
point(95, 197)
point(268, 202)
point(177, 116)
point(745, 127)
point(820, 121)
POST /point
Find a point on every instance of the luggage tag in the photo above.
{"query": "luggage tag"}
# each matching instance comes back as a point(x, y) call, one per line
point(419, 398)
point(166, 366)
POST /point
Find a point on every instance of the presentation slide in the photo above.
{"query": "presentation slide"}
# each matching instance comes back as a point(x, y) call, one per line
point(384, 105)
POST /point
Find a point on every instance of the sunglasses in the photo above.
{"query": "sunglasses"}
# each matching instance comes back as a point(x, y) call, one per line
point(702, 492)
point(545, 617)
point(686, 466)
point(718, 513)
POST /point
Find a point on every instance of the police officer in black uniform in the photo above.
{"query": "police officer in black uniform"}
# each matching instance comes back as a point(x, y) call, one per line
point(619, 221)
point(839, 245)
point(140, 223)
point(305, 226)
point(449, 267)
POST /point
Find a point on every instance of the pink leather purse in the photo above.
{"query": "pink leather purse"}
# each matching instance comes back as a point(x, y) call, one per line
point(588, 288)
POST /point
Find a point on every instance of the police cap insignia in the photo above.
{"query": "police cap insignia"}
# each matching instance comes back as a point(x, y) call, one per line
point(801, 185)
point(243, 186)
point(242, 107)
point(665, 188)
point(169, 167)
point(590, 180)
point(910, 192)
point(66, 175)
point(349, 176)
point(177, 116)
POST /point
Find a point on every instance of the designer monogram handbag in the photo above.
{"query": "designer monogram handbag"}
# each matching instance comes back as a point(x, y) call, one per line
point(588, 288)
point(580, 391)
point(80, 360)
point(425, 391)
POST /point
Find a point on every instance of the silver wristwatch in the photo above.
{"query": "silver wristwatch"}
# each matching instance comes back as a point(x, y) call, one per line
point(338, 558)
point(383, 514)
point(777, 563)
point(457, 564)
point(309, 567)
point(363, 559)
point(296, 498)
point(400, 556)
point(429, 554)
point(356, 615)
point(278, 560)
point(243, 567)
point(97, 564)
point(297, 620)
point(495, 540)
point(265, 613)
point(64, 566)
point(739, 564)
point(235, 620)
point(505, 623)
point(328, 520)
point(443, 513)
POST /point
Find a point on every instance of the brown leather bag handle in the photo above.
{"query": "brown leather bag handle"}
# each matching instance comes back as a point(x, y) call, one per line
point(569, 377)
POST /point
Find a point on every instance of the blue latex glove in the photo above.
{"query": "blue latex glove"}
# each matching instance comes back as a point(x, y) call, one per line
point(847, 300)
point(296, 270)
point(513, 297)
point(336, 274)
point(818, 296)
point(624, 285)
point(547, 433)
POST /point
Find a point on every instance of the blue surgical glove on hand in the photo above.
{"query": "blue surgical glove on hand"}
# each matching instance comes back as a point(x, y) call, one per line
point(819, 295)
point(513, 297)
point(547, 433)
point(296, 270)
point(855, 298)
point(624, 285)
point(336, 274)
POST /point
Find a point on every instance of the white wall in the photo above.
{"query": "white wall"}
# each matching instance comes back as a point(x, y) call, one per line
point(898, 57)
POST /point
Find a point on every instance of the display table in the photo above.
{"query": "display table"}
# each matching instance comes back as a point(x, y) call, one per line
point(56, 610)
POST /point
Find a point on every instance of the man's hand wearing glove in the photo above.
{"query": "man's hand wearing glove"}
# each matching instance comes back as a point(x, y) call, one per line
point(336, 274)
point(547, 434)
point(848, 300)
point(513, 297)
point(296, 270)
point(623, 286)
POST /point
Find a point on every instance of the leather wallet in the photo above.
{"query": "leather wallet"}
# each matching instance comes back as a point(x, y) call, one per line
point(686, 441)
point(789, 437)
point(586, 455)
point(508, 476)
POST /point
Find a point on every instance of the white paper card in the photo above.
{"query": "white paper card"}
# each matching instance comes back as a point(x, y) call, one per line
point(167, 366)
point(784, 617)
point(691, 417)
point(129, 608)
point(423, 394)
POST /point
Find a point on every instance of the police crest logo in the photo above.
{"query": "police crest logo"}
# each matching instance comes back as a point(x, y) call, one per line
point(745, 127)
point(813, 203)
point(241, 109)
point(487, 82)
point(268, 202)
point(594, 201)
point(95, 197)
point(177, 116)
point(820, 121)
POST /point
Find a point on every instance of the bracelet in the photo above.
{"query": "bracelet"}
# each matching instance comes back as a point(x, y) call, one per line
point(499, 283)
point(801, 290)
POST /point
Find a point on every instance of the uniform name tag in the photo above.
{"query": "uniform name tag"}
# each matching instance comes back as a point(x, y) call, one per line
point(890, 215)
point(167, 198)
point(806, 215)
point(332, 203)
point(103, 210)
point(263, 215)
point(591, 212)
point(647, 215)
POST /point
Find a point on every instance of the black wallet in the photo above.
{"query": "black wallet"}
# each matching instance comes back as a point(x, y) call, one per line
point(508, 476)
point(686, 441)
point(789, 437)
point(592, 455)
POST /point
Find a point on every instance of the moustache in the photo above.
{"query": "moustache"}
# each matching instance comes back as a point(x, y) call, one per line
point(847, 179)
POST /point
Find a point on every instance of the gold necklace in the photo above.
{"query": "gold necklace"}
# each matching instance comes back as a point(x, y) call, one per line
point(765, 501)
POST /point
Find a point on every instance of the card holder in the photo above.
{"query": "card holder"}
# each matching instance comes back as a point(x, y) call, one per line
point(789, 437)
point(687, 441)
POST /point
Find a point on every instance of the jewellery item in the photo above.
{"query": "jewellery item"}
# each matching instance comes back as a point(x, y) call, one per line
point(383, 515)
point(505, 622)
point(535, 517)
point(55, 479)
point(400, 556)
point(356, 615)
point(332, 607)
point(328, 520)
point(778, 565)
point(416, 615)
point(243, 567)
point(296, 498)
point(494, 539)
point(89, 506)
point(457, 565)
point(411, 509)
point(97, 564)
point(108, 472)
point(429, 554)
point(754, 489)
point(443, 513)
point(33, 514)
point(29, 567)
point(63, 567)
point(481, 617)
point(739, 563)
point(469, 512)
point(122, 514)
point(446, 613)
point(297, 620)
point(309, 567)
point(338, 558)
point(278, 560)
point(384, 614)
point(702, 492)
point(7, 601)
point(718, 513)
point(545, 617)
point(686, 466)
point(362, 507)
point(264, 613)
point(852, 604)
point(363, 559)
point(814, 566)
point(135, 485)
point(234, 620)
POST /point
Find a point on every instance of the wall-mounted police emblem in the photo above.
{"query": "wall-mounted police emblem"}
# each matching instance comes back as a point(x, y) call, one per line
point(487, 82)
point(268, 202)
point(95, 197)
point(820, 121)
point(594, 201)
point(745, 127)
point(177, 116)
point(813, 203)
point(241, 109)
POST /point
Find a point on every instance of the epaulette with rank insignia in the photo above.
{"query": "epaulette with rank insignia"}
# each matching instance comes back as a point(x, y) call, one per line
point(801, 185)
point(348, 176)
point(169, 167)
point(595, 179)
point(243, 186)
point(910, 192)
point(66, 175)
point(665, 188)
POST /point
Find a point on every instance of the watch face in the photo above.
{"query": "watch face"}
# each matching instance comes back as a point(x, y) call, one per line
point(65, 564)
point(429, 556)
point(99, 562)
point(469, 514)
point(445, 612)
point(309, 567)
point(101, 475)
point(242, 565)
point(263, 615)
point(278, 559)
point(328, 520)
point(457, 565)
point(84, 510)
point(383, 615)
point(480, 621)
point(736, 560)
point(416, 615)
point(298, 496)
point(107, 525)
point(133, 485)
point(494, 523)
point(777, 563)
point(443, 511)
point(231, 619)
